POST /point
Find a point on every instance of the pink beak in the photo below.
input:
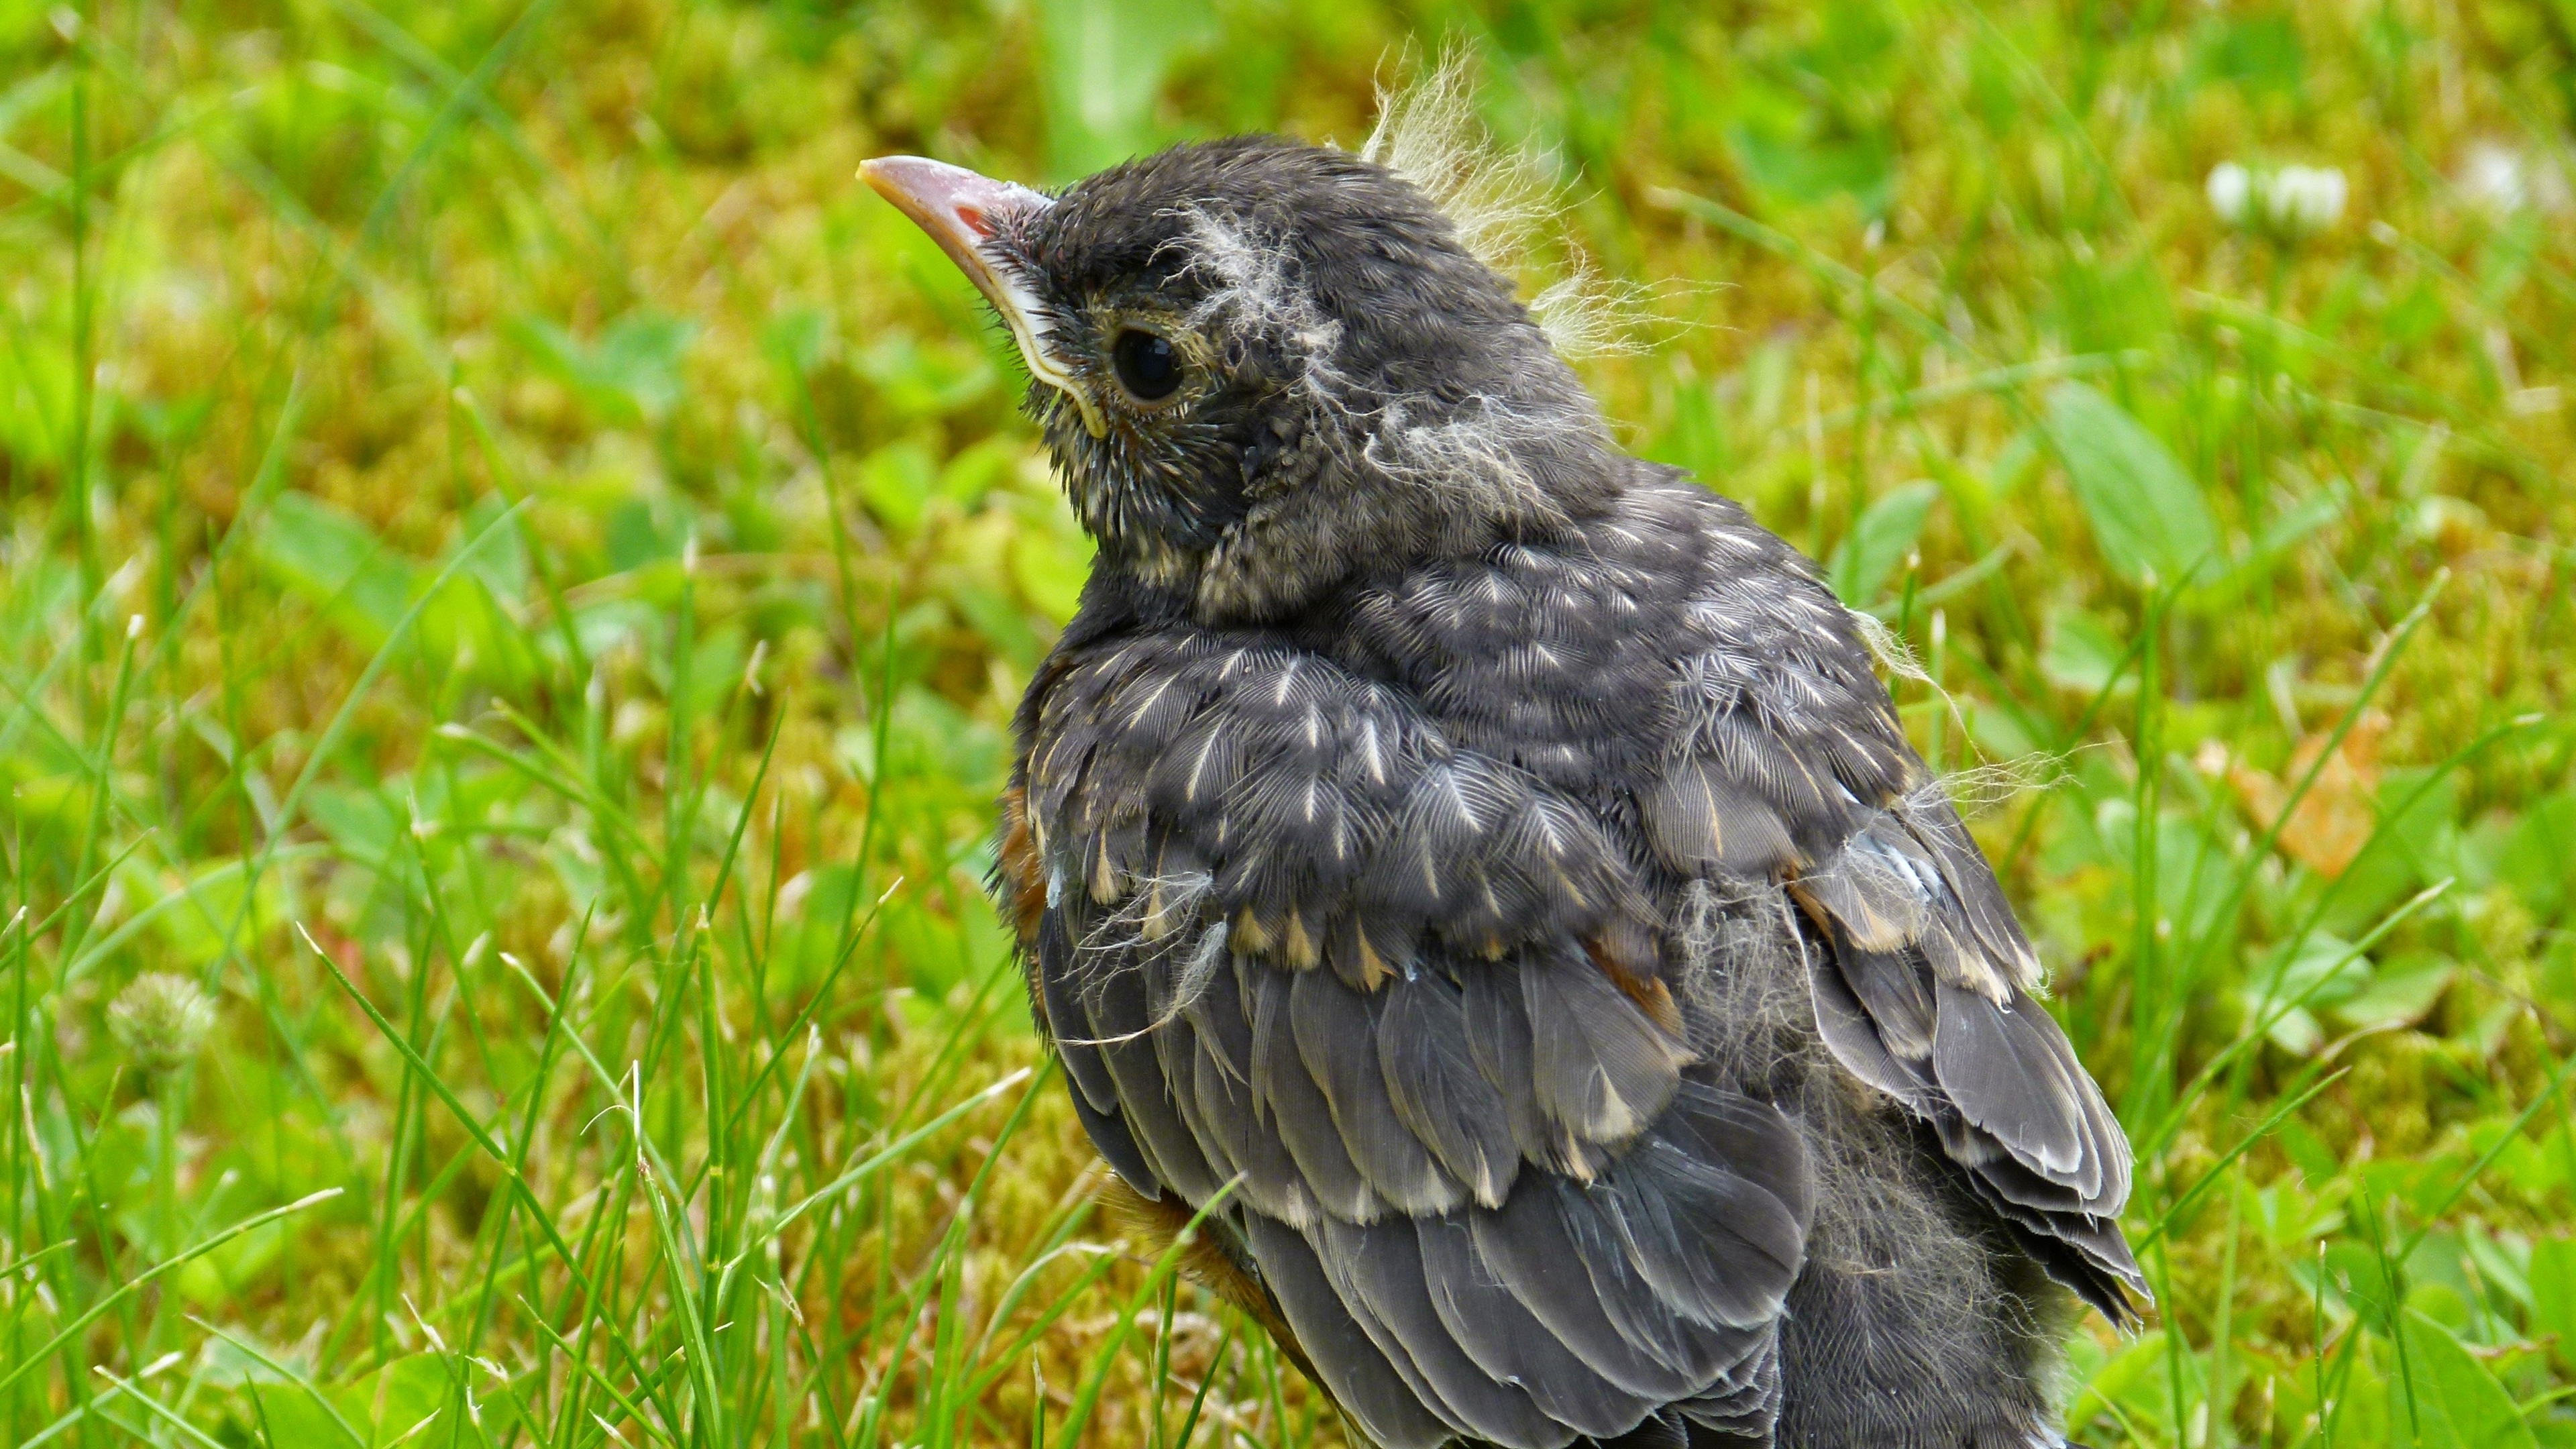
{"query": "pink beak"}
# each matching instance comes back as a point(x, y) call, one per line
point(961, 210)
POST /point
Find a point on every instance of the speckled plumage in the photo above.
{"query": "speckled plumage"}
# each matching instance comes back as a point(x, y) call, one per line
point(1497, 858)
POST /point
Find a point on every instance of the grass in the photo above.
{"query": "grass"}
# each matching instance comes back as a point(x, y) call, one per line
point(516, 570)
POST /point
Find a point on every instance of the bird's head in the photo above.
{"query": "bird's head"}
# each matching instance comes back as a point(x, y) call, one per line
point(1266, 368)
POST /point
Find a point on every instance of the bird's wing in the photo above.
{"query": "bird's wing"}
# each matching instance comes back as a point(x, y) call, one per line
point(1286, 935)
point(1791, 768)
point(1925, 994)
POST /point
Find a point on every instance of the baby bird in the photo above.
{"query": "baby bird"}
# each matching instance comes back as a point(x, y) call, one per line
point(1479, 874)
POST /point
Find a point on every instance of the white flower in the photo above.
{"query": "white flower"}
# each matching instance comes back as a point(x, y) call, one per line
point(2229, 186)
point(2492, 175)
point(2291, 202)
point(2502, 180)
point(2304, 199)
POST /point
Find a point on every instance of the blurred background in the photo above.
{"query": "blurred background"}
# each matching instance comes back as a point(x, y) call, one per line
point(514, 569)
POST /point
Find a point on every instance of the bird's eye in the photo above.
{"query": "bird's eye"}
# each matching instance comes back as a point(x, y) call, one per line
point(1149, 367)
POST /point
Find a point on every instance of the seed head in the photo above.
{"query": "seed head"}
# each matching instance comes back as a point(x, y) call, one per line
point(161, 1020)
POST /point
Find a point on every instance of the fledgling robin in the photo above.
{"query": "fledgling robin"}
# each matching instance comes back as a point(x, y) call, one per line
point(1495, 857)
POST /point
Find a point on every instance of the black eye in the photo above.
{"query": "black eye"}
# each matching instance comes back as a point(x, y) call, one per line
point(1148, 366)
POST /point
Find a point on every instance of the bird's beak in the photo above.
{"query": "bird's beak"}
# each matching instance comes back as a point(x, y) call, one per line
point(961, 210)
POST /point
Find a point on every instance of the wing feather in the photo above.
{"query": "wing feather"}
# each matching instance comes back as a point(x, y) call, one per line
point(1359, 1372)
point(1713, 1207)
point(2015, 1080)
point(1381, 1266)
point(1336, 1031)
point(1307, 945)
point(1529, 1249)
point(1496, 1013)
point(1438, 1093)
point(1239, 1140)
point(1920, 976)
point(1389, 951)
point(1120, 1023)
point(1286, 1095)
point(1507, 1342)
point(1602, 1069)
point(1095, 1092)
point(1926, 1000)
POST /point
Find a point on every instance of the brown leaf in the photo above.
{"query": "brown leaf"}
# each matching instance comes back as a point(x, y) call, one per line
point(2334, 819)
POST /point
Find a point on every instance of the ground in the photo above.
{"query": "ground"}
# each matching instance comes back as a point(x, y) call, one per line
point(514, 568)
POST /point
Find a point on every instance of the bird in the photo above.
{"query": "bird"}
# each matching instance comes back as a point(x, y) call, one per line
point(1476, 884)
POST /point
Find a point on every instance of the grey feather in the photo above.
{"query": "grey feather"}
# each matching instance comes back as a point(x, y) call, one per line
point(1220, 1109)
point(1066, 1017)
point(1120, 1021)
point(1361, 1377)
point(1713, 1207)
point(1284, 1094)
point(1437, 1091)
point(1972, 884)
point(1857, 1038)
point(1496, 1016)
point(2010, 1075)
point(1895, 991)
point(1508, 1343)
point(1702, 821)
point(1336, 1034)
point(1535, 1255)
point(1601, 1068)
point(1381, 1266)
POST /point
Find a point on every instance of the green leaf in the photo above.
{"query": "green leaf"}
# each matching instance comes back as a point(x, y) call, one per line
point(977, 470)
point(2539, 859)
point(812, 911)
point(313, 549)
point(1886, 532)
point(639, 533)
point(2361, 1280)
point(1106, 62)
point(1697, 441)
point(2081, 653)
point(941, 950)
point(2132, 1382)
point(2259, 52)
point(629, 374)
point(393, 1401)
point(2147, 515)
point(896, 481)
point(2458, 1403)
point(2398, 997)
point(213, 1280)
point(1802, 172)
point(997, 619)
point(2553, 1297)
point(2325, 971)
point(1804, 128)
point(35, 399)
point(362, 824)
point(292, 1417)
point(798, 338)
point(502, 562)
point(922, 381)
